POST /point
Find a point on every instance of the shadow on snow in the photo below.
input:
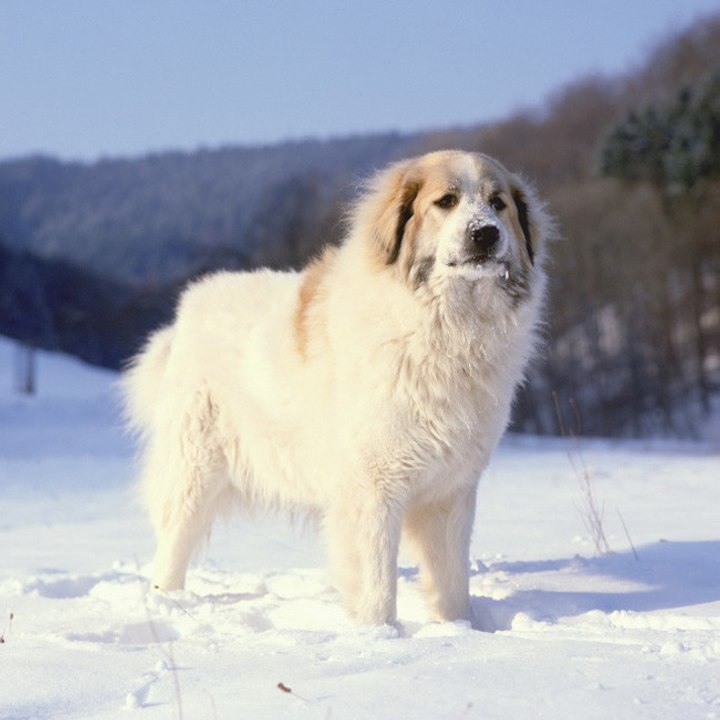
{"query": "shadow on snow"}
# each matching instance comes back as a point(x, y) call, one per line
point(666, 575)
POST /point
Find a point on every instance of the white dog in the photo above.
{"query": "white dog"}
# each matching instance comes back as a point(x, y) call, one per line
point(371, 388)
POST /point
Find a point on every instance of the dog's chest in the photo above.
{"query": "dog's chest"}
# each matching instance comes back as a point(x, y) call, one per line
point(435, 446)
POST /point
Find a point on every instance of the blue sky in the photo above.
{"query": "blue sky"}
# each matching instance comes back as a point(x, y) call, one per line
point(90, 78)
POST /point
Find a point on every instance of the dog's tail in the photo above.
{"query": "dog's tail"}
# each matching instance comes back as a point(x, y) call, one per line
point(143, 379)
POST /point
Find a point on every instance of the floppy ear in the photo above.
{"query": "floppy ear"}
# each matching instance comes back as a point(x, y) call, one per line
point(387, 209)
point(521, 205)
point(404, 211)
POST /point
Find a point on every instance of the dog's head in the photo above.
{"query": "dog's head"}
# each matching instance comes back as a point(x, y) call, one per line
point(453, 217)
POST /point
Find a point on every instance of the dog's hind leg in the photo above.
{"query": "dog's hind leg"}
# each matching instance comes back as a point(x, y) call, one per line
point(184, 481)
point(182, 520)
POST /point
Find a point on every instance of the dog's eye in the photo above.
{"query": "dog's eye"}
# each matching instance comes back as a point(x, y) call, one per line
point(448, 201)
point(497, 203)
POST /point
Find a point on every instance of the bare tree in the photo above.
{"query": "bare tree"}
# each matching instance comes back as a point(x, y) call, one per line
point(25, 369)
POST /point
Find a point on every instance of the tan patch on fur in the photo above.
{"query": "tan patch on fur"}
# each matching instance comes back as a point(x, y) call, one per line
point(310, 291)
point(434, 182)
point(406, 188)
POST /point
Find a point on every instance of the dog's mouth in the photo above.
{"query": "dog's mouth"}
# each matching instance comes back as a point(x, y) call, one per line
point(501, 272)
point(480, 260)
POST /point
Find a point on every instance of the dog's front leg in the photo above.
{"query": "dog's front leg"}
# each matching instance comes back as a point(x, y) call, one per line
point(379, 525)
point(441, 534)
point(363, 538)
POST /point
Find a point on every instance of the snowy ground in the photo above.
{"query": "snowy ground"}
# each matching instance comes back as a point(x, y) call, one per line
point(615, 636)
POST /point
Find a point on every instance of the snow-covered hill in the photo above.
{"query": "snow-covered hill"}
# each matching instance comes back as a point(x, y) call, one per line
point(634, 633)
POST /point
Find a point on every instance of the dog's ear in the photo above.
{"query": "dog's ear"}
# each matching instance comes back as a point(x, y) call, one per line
point(391, 241)
point(523, 216)
point(388, 207)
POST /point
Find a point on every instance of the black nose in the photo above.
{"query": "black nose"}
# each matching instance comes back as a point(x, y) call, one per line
point(485, 238)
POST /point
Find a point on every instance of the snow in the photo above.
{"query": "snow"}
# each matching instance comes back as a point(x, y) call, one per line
point(260, 633)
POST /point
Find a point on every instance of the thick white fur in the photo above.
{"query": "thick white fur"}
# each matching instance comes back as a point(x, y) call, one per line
point(370, 389)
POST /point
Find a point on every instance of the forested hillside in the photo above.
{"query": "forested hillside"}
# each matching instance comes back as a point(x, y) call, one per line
point(159, 217)
point(629, 166)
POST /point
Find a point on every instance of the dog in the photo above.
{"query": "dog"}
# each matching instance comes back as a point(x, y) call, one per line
point(370, 389)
